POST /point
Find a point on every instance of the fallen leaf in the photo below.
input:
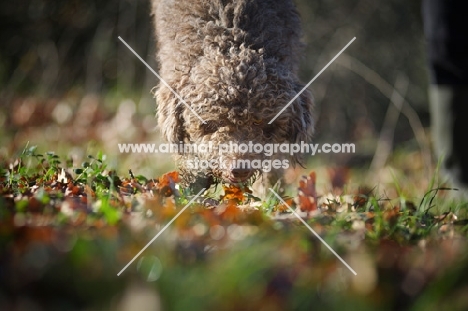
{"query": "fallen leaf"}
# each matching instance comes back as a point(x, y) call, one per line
point(307, 194)
point(167, 183)
point(234, 193)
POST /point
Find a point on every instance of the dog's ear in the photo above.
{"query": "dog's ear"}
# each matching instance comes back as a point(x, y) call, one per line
point(302, 125)
point(170, 116)
point(303, 121)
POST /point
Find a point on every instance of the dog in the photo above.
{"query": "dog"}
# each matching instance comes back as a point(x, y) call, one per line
point(229, 67)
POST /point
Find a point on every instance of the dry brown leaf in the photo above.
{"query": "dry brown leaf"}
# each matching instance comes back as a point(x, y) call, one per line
point(167, 183)
point(307, 195)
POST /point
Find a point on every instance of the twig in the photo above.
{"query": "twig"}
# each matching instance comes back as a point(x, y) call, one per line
point(387, 90)
point(385, 143)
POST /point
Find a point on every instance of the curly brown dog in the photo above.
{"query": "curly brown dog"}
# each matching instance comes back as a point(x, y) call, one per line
point(234, 64)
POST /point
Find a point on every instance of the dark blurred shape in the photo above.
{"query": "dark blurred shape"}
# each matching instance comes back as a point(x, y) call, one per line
point(447, 42)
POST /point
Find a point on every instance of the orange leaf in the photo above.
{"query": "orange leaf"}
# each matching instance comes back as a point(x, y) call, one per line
point(167, 183)
point(230, 212)
point(307, 197)
point(235, 193)
point(283, 208)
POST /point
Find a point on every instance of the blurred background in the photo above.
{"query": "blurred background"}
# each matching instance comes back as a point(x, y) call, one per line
point(69, 85)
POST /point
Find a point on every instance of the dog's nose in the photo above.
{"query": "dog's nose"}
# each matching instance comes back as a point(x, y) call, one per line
point(241, 174)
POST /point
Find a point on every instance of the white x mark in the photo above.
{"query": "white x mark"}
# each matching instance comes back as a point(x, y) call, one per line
point(164, 82)
point(162, 230)
point(308, 84)
point(315, 233)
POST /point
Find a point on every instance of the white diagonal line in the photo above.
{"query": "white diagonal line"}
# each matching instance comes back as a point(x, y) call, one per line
point(308, 84)
point(161, 79)
point(160, 232)
point(315, 233)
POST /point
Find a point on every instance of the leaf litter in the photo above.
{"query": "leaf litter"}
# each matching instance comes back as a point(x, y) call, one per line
point(49, 197)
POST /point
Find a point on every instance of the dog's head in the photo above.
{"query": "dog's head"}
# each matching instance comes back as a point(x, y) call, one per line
point(233, 67)
point(230, 103)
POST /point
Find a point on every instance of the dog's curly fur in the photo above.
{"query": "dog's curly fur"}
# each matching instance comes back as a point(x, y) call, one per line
point(235, 63)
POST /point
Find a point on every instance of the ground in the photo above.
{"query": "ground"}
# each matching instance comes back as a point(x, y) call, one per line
point(69, 229)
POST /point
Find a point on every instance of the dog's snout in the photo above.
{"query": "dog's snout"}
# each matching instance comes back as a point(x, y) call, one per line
point(241, 174)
